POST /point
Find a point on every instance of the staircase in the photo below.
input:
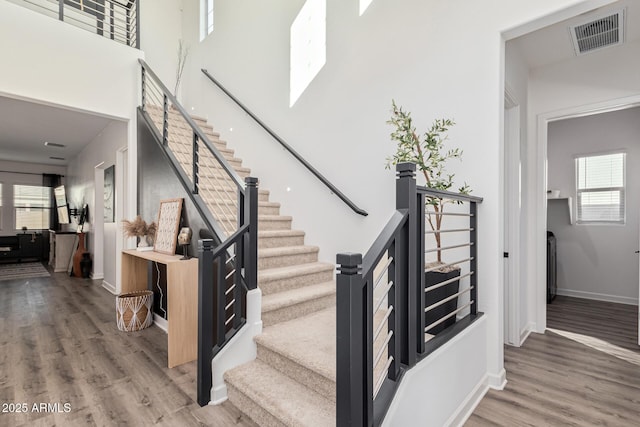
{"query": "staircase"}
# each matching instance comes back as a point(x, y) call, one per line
point(292, 381)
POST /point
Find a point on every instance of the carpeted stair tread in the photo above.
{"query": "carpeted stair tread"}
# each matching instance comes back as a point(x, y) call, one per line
point(282, 399)
point(281, 279)
point(286, 255)
point(287, 305)
point(309, 341)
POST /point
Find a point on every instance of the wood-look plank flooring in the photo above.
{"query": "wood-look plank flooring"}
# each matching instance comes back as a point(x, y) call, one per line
point(59, 344)
point(584, 371)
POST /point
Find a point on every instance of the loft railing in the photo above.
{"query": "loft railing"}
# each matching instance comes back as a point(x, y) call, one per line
point(228, 263)
point(388, 316)
point(117, 20)
point(286, 146)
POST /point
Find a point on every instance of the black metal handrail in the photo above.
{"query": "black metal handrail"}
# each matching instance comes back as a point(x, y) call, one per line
point(158, 100)
point(290, 149)
point(227, 267)
point(402, 244)
point(231, 268)
point(117, 20)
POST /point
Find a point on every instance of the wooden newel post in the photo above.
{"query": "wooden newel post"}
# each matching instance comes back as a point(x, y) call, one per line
point(353, 405)
point(411, 296)
point(205, 319)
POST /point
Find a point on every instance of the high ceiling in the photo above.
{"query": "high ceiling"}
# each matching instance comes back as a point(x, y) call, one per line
point(553, 44)
point(25, 126)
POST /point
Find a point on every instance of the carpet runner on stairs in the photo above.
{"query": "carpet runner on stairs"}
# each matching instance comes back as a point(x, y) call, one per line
point(292, 382)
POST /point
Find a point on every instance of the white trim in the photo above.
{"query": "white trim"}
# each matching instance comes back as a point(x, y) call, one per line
point(108, 286)
point(161, 322)
point(497, 381)
point(93, 276)
point(240, 349)
point(539, 244)
point(597, 296)
point(512, 130)
point(525, 332)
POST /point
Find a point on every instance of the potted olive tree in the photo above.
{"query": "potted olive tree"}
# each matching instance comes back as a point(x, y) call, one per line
point(428, 152)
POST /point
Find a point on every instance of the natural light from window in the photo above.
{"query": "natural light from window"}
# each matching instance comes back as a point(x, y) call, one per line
point(364, 4)
point(308, 46)
point(209, 15)
point(32, 206)
point(600, 188)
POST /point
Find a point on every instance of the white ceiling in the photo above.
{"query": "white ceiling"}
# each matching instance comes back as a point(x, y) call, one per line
point(553, 44)
point(25, 126)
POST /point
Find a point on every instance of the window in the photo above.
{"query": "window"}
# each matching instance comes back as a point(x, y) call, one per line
point(208, 18)
point(32, 205)
point(600, 188)
point(308, 53)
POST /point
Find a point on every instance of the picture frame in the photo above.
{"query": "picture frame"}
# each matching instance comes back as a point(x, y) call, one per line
point(168, 225)
point(109, 190)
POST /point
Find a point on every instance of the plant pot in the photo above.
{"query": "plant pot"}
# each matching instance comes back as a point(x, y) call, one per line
point(434, 296)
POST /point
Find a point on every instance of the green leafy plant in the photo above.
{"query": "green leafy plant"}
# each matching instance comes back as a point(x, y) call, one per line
point(428, 152)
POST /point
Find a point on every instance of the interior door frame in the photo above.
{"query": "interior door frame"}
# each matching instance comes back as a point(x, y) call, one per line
point(512, 206)
point(540, 241)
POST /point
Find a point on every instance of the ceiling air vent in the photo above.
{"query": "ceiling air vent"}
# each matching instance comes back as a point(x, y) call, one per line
point(598, 33)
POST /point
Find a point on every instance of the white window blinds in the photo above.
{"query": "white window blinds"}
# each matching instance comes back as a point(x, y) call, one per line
point(600, 188)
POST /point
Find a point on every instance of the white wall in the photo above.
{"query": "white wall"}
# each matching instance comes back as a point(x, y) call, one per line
point(408, 50)
point(595, 261)
point(28, 174)
point(160, 30)
point(604, 78)
point(53, 62)
point(83, 187)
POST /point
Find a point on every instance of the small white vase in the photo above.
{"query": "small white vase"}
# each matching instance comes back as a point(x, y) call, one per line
point(143, 245)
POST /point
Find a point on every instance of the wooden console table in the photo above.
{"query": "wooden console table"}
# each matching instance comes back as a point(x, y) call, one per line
point(182, 298)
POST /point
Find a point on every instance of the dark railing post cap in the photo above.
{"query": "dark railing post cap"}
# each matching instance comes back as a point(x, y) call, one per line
point(205, 245)
point(349, 263)
point(406, 167)
point(251, 181)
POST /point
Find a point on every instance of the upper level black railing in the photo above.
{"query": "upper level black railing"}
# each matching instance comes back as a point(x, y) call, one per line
point(228, 263)
point(118, 20)
point(290, 149)
point(392, 290)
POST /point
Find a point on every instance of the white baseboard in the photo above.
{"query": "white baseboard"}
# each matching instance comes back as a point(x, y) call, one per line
point(526, 331)
point(597, 296)
point(160, 322)
point(497, 381)
point(464, 411)
point(108, 286)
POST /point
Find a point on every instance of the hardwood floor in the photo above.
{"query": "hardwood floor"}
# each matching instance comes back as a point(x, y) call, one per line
point(584, 371)
point(59, 345)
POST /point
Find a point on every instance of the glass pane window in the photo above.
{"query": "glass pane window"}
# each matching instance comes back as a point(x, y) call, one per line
point(601, 188)
point(32, 205)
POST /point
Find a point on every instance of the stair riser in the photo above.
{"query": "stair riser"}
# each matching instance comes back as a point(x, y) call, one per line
point(279, 242)
point(270, 318)
point(274, 224)
point(299, 373)
point(251, 408)
point(286, 260)
point(294, 282)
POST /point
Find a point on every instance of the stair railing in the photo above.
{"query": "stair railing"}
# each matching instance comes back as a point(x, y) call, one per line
point(117, 20)
point(370, 363)
point(228, 263)
point(294, 153)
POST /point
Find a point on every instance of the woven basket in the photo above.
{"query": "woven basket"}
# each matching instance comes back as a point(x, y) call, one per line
point(134, 311)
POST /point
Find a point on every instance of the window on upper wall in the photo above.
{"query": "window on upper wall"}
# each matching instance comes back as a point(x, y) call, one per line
point(308, 53)
point(32, 205)
point(600, 184)
point(207, 9)
point(364, 4)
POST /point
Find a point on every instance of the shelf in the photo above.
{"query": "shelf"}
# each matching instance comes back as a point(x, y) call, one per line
point(569, 203)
